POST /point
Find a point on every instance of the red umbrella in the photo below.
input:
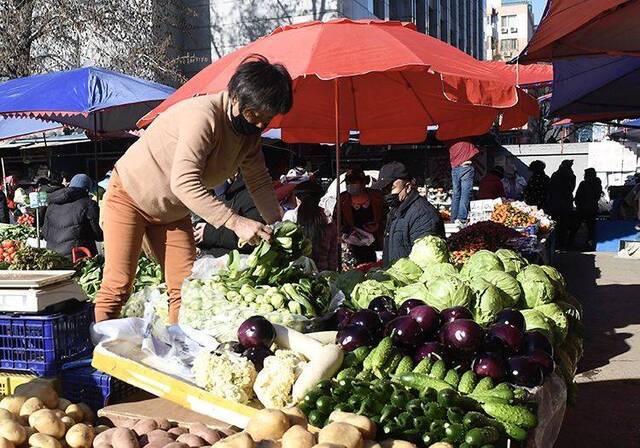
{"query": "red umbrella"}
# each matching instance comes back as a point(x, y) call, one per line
point(585, 27)
point(524, 75)
point(381, 78)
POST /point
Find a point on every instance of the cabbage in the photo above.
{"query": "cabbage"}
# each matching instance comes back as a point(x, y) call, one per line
point(481, 261)
point(489, 301)
point(438, 270)
point(556, 277)
point(554, 313)
point(368, 290)
point(512, 261)
point(404, 272)
point(446, 292)
point(535, 320)
point(429, 250)
point(507, 285)
point(538, 288)
point(414, 291)
point(346, 281)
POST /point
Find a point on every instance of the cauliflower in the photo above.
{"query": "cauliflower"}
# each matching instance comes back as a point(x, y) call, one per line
point(226, 374)
point(274, 382)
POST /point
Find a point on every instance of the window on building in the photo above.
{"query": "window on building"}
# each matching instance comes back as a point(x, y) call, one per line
point(508, 23)
point(508, 45)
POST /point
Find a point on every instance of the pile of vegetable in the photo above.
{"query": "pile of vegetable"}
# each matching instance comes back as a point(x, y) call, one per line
point(511, 216)
point(8, 250)
point(20, 257)
point(484, 235)
point(26, 220)
point(16, 232)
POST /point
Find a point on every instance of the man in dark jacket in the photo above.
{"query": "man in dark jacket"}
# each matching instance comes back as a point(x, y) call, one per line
point(221, 241)
point(560, 200)
point(72, 218)
point(587, 198)
point(5, 216)
point(410, 217)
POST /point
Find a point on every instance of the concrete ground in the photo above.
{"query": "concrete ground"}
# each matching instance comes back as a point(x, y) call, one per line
point(607, 410)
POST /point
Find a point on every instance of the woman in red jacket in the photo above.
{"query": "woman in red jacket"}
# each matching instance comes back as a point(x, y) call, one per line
point(491, 186)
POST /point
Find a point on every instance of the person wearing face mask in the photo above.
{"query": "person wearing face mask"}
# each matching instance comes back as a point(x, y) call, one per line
point(362, 208)
point(410, 217)
point(189, 149)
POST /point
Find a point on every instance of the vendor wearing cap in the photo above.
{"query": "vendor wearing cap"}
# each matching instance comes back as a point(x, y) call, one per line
point(410, 217)
point(189, 149)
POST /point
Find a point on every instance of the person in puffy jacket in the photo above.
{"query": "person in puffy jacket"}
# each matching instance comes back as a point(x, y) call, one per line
point(72, 218)
point(587, 198)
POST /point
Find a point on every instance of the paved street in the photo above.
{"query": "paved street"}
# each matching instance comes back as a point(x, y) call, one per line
point(607, 411)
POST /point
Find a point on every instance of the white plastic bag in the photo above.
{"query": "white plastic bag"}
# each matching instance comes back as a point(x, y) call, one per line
point(207, 266)
point(358, 237)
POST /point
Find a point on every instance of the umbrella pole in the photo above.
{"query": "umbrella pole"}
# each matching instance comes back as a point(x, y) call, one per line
point(338, 208)
point(95, 147)
point(4, 179)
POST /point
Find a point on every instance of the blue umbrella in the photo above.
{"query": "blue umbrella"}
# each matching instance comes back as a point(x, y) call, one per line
point(17, 127)
point(91, 98)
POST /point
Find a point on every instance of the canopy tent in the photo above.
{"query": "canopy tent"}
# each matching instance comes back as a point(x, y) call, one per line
point(585, 27)
point(381, 78)
point(91, 98)
point(524, 75)
point(596, 88)
point(11, 128)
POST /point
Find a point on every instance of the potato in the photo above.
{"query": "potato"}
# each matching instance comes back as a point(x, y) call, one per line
point(144, 426)
point(371, 444)
point(13, 403)
point(296, 416)
point(48, 423)
point(328, 445)
point(103, 445)
point(175, 445)
point(124, 438)
point(32, 418)
point(63, 404)
point(31, 405)
point(364, 424)
point(100, 429)
point(41, 389)
point(192, 440)
point(68, 422)
point(267, 424)
point(38, 440)
point(266, 443)
point(13, 432)
point(6, 415)
point(74, 411)
point(240, 440)
point(159, 434)
point(89, 415)
point(441, 445)
point(80, 436)
point(403, 444)
point(178, 431)
point(164, 424)
point(209, 435)
point(4, 443)
point(341, 434)
point(298, 437)
point(104, 437)
point(159, 443)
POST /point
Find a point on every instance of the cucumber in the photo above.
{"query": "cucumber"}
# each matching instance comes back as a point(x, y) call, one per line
point(515, 432)
point(421, 382)
point(424, 366)
point(439, 370)
point(361, 354)
point(452, 377)
point(517, 415)
point(502, 392)
point(467, 382)
point(481, 436)
point(383, 353)
point(484, 385)
point(349, 360)
point(405, 366)
point(368, 361)
point(347, 373)
point(392, 365)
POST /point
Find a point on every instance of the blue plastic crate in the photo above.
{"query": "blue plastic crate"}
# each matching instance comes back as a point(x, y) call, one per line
point(42, 344)
point(81, 383)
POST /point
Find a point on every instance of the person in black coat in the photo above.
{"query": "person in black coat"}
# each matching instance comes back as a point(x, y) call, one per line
point(5, 216)
point(410, 217)
point(72, 218)
point(560, 200)
point(221, 241)
point(587, 199)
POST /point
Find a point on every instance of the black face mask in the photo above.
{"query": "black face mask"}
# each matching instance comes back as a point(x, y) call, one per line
point(392, 200)
point(242, 126)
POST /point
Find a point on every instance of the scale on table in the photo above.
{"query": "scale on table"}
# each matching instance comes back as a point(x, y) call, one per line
point(35, 291)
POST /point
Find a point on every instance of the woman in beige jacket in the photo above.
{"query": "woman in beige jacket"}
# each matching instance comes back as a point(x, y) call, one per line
point(191, 147)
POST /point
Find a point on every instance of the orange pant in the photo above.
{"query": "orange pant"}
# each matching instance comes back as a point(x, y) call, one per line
point(124, 228)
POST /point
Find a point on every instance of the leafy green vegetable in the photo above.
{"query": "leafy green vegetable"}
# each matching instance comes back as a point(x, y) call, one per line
point(446, 292)
point(368, 290)
point(17, 232)
point(535, 320)
point(513, 263)
point(429, 250)
point(554, 313)
point(489, 301)
point(33, 259)
point(507, 285)
point(436, 270)
point(556, 278)
point(346, 281)
point(414, 291)
point(480, 262)
point(538, 288)
point(404, 272)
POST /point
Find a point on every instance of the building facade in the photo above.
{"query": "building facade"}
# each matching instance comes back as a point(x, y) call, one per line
point(218, 27)
point(508, 26)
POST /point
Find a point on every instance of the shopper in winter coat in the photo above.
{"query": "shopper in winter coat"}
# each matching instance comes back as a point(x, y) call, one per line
point(537, 189)
point(461, 155)
point(587, 198)
point(221, 241)
point(5, 216)
point(491, 186)
point(560, 200)
point(72, 218)
point(410, 217)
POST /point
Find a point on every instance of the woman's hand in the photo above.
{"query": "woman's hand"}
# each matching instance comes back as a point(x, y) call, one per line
point(249, 230)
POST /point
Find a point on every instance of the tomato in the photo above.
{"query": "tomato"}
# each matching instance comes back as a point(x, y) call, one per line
point(7, 243)
point(10, 250)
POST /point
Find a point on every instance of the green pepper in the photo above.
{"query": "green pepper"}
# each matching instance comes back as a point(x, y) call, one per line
point(354, 402)
point(455, 415)
point(317, 418)
point(447, 397)
point(388, 411)
point(305, 407)
point(473, 419)
point(325, 404)
point(344, 407)
point(399, 398)
point(428, 439)
point(429, 394)
point(368, 407)
point(341, 393)
point(404, 420)
point(389, 429)
point(411, 435)
point(345, 382)
point(421, 423)
point(311, 398)
point(436, 424)
point(383, 389)
point(414, 406)
point(433, 411)
point(455, 433)
point(324, 385)
point(437, 429)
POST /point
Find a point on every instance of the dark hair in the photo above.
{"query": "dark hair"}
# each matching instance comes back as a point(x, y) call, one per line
point(311, 216)
point(262, 86)
point(356, 175)
point(537, 166)
point(498, 171)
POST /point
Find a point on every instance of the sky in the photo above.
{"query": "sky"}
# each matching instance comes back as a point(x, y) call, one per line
point(538, 9)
